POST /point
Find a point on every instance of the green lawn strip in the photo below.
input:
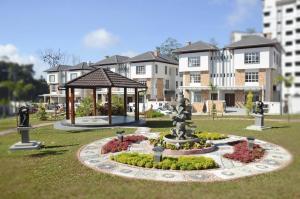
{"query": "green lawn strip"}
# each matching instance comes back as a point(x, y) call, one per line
point(55, 172)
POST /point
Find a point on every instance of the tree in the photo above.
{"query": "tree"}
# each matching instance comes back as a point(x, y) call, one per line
point(53, 58)
point(168, 46)
point(249, 102)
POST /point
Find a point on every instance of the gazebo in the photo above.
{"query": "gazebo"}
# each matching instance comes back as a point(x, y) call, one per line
point(101, 78)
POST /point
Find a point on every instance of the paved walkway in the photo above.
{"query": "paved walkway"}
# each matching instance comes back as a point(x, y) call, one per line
point(275, 158)
point(12, 130)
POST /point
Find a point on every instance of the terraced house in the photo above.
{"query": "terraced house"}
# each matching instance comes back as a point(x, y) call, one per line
point(228, 74)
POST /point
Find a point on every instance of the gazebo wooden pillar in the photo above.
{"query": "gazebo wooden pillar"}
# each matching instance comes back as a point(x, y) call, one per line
point(67, 104)
point(72, 107)
point(125, 101)
point(109, 106)
point(94, 102)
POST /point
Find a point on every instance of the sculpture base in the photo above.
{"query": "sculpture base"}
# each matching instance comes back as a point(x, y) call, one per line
point(172, 139)
point(26, 146)
point(257, 128)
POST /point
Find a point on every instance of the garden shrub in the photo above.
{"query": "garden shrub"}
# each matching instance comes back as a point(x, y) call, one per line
point(116, 145)
point(211, 136)
point(243, 154)
point(85, 108)
point(174, 163)
point(152, 114)
point(41, 113)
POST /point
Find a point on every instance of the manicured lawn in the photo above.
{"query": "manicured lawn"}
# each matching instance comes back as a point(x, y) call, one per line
point(55, 172)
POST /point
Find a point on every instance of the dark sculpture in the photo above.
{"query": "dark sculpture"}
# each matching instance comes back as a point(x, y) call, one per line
point(180, 132)
point(259, 109)
point(23, 116)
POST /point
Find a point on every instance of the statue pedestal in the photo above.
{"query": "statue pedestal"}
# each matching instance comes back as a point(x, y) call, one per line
point(25, 143)
point(258, 124)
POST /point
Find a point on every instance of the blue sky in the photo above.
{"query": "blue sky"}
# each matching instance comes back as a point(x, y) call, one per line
point(91, 29)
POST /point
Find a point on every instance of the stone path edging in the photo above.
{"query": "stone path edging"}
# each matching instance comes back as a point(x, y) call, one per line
point(275, 158)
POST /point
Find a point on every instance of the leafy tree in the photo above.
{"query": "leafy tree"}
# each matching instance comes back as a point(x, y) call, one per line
point(52, 58)
point(249, 102)
point(168, 46)
point(42, 114)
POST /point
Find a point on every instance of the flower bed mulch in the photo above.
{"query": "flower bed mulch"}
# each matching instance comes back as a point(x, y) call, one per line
point(116, 145)
point(243, 154)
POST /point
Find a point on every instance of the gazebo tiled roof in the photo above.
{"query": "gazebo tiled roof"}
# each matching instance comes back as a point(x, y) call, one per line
point(103, 78)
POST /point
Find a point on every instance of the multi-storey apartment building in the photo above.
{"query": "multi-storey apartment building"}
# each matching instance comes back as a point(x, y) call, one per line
point(250, 64)
point(281, 20)
point(158, 72)
point(59, 75)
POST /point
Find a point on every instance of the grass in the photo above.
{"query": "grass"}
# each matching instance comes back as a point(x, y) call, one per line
point(55, 172)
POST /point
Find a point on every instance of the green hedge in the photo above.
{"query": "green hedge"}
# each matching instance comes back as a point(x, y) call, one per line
point(180, 163)
point(211, 136)
point(152, 114)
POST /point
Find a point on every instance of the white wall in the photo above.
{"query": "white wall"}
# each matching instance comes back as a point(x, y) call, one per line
point(204, 61)
point(264, 58)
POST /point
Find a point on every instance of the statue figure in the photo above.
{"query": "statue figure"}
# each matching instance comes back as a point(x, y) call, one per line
point(179, 120)
point(259, 108)
point(23, 116)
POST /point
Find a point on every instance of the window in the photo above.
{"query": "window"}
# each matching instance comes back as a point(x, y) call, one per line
point(288, 53)
point(194, 61)
point(288, 64)
point(140, 70)
point(176, 84)
point(298, 19)
point(267, 14)
point(177, 71)
point(251, 77)
point(181, 83)
point(143, 82)
point(53, 88)
point(297, 74)
point(297, 30)
point(166, 70)
point(288, 10)
point(73, 75)
point(288, 74)
point(289, 32)
point(180, 74)
point(51, 78)
point(297, 63)
point(297, 52)
point(298, 7)
point(289, 22)
point(167, 86)
point(252, 58)
point(156, 68)
point(266, 25)
point(298, 41)
point(297, 84)
point(195, 78)
point(196, 96)
point(288, 43)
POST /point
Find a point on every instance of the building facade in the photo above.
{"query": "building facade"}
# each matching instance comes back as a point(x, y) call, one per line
point(228, 74)
point(281, 20)
point(57, 76)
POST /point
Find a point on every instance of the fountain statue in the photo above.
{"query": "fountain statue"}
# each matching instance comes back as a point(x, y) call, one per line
point(181, 134)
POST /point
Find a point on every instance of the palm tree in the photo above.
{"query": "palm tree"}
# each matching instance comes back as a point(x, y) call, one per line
point(287, 81)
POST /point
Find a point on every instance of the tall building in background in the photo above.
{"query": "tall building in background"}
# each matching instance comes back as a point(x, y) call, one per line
point(281, 20)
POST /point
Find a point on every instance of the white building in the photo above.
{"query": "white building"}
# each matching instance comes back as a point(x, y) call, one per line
point(250, 64)
point(58, 76)
point(238, 35)
point(281, 20)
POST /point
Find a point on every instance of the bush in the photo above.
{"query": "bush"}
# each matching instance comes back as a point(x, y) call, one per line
point(210, 136)
point(85, 108)
point(243, 154)
point(41, 113)
point(116, 145)
point(182, 162)
point(152, 114)
point(249, 103)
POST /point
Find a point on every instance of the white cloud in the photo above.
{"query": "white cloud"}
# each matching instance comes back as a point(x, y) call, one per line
point(241, 11)
point(10, 53)
point(100, 38)
point(129, 53)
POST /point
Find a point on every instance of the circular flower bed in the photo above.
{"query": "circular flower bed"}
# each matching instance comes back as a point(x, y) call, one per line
point(243, 154)
point(116, 145)
point(211, 136)
point(180, 163)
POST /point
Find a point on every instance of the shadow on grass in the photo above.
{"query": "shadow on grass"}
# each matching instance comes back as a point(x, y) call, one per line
point(47, 153)
point(280, 127)
point(159, 124)
point(58, 146)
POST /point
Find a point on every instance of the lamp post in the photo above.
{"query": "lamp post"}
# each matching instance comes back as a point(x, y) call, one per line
point(120, 135)
point(250, 143)
point(157, 153)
